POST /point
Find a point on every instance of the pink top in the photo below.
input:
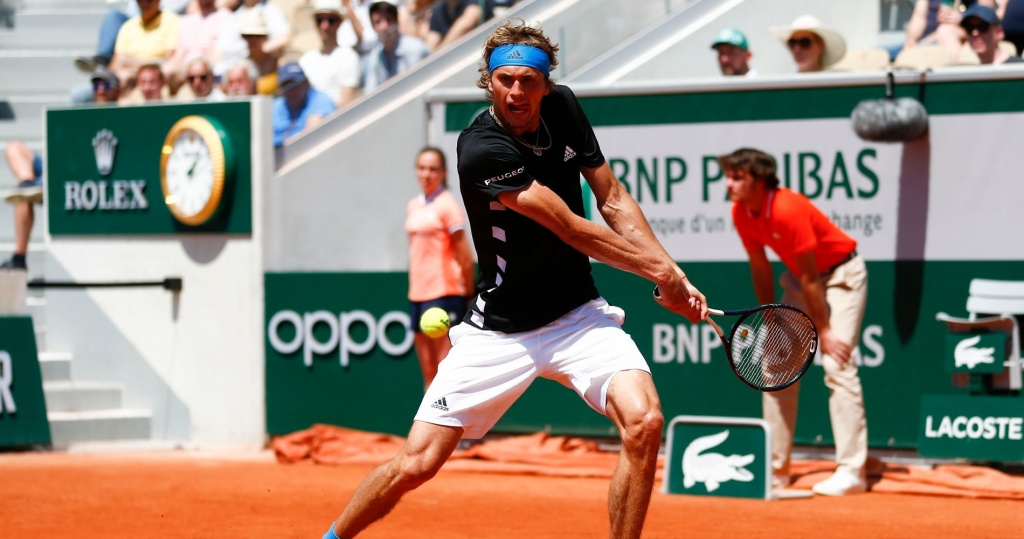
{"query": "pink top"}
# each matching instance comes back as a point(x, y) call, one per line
point(434, 271)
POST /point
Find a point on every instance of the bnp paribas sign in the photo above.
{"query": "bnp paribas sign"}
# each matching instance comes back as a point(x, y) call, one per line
point(151, 170)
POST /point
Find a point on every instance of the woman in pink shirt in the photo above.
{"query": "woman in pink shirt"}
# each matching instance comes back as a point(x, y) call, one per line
point(441, 267)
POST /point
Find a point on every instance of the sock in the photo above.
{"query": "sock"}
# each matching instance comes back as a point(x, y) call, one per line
point(330, 533)
point(18, 261)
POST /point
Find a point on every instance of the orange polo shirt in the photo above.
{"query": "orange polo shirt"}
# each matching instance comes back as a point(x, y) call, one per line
point(434, 271)
point(791, 225)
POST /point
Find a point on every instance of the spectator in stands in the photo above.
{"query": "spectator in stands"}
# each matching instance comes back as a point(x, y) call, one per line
point(1011, 13)
point(240, 79)
point(202, 82)
point(356, 30)
point(197, 38)
point(452, 19)
point(110, 26)
point(395, 52)
point(984, 32)
point(255, 32)
point(149, 86)
point(27, 167)
point(332, 69)
point(150, 37)
point(813, 45)
point(300, 106)
point(414, 18)
point(733, 53)
point(106, 88)
point(935, 22)
point(231, 46)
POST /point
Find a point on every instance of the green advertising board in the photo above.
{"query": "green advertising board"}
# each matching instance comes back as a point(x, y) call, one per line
point(979, 353)
point(972, 427)
point(718, 456)
point(22, 404)
point(149, 170)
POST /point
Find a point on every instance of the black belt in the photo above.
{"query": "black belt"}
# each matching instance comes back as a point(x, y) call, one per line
point(848, 258)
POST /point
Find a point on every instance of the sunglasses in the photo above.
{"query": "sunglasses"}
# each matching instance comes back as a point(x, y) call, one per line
point(980, 26)
point(803, 42)
point(204, 77)
point(100, 85)
point(328, 19)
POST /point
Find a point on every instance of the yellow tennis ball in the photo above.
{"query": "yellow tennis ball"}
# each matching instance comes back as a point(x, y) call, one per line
point(435, 322)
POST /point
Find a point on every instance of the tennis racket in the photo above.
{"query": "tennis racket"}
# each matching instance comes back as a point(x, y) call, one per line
point(770, 347)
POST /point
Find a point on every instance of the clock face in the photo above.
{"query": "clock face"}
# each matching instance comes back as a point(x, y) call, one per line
point(193, 169)
point(190, 174)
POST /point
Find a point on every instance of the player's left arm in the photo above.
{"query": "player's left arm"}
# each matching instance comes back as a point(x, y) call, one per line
point(817, 308)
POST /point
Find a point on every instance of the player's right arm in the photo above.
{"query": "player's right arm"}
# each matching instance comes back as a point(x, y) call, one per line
point(542, 205)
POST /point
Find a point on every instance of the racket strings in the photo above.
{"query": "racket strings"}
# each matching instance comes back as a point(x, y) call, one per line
point(770, 347)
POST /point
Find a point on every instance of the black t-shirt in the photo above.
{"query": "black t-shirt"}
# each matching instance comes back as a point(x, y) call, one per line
point(528, 276)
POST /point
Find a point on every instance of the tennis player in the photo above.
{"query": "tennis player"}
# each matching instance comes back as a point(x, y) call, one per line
point(826, 279)
point(538, 312)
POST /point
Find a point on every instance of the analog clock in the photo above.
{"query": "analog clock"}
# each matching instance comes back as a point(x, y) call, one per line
point(195, 165)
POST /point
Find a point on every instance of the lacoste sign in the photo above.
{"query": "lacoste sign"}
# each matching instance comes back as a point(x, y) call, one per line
point(973, 427)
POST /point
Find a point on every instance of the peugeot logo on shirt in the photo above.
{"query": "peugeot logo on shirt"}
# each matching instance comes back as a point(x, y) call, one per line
point(505, 176)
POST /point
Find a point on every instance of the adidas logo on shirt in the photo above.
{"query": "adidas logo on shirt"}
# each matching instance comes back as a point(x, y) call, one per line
point(514, 55)
point(569, 154)
point(440, 404)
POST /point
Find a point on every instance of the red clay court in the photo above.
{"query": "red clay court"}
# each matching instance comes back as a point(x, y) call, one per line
point(203, 494)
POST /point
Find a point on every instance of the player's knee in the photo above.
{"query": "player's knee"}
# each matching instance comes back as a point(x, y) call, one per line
point(643, 429)
point(414, 471)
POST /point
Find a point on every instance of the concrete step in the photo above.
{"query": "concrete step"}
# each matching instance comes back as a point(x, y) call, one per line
point(74, 4)
point(35, 19)
point(23, 115)
point(55, 366)
point(71, 396)
point(28, 72)
point(63, 38)
point(99, 425)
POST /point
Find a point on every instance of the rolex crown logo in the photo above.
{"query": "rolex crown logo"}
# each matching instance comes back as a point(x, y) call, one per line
point(104, 144)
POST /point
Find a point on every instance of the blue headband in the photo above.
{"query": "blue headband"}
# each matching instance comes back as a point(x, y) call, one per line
point(520, 55)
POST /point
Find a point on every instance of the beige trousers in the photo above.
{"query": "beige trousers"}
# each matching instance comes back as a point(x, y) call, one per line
point(846, 292)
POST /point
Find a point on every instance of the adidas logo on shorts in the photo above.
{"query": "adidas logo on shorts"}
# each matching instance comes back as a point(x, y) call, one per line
point(440, 404)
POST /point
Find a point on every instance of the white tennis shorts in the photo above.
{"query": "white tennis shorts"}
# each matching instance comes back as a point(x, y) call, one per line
point(486, 371)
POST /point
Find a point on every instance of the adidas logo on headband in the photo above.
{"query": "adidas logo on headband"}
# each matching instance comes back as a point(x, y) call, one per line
point(514, 55)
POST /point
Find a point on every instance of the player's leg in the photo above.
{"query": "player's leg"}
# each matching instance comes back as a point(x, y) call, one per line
point(425, 451)
point(846, 293)
point(634, 407)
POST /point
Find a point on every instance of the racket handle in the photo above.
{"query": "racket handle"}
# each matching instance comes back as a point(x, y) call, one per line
point(716, 312)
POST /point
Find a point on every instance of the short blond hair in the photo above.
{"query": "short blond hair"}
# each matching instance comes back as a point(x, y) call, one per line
point(514, 32)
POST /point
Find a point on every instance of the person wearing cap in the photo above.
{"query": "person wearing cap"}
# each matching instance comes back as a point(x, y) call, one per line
point(813, 45)
point(255, 32)
point(231, 46)
point(298, 106)
point(395, 52)
point(824, 277)
point(150, 37)
point(106, 88)
point(733, 53)
point(984, 32)
point(537, 311)
point(332, 69)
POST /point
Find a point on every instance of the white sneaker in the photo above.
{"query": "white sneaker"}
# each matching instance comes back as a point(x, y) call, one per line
point(841, 483)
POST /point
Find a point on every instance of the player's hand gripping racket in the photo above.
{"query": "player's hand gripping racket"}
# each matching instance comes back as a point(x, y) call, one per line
point(770, 347)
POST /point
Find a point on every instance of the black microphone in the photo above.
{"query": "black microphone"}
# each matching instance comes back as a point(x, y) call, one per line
point(890, 119)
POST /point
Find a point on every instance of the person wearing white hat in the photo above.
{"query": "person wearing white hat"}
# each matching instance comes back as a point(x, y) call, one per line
point(813, 45)
point(333, 69)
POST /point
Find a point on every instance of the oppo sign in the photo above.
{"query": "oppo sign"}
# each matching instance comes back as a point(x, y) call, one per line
point(339, 334)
